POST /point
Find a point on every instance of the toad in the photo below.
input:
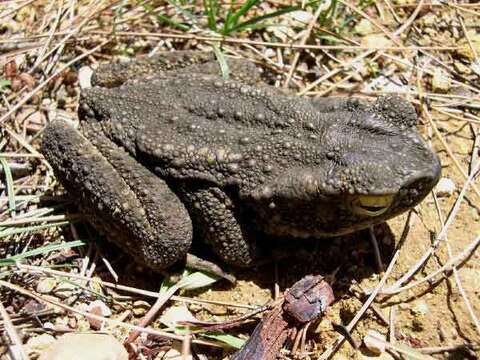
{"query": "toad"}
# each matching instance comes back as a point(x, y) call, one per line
point(167, 150)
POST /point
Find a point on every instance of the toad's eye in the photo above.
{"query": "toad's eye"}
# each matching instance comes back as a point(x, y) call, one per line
point(371, 205)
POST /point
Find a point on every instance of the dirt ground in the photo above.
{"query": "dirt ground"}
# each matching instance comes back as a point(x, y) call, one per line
point(426, 51)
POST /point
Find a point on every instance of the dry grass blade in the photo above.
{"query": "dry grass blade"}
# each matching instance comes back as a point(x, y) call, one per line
point(17, 351)
point(37, 269)
point(27, 97)
point(454, 261)
point(302, 42)
point(451, 217)
point(111, 322)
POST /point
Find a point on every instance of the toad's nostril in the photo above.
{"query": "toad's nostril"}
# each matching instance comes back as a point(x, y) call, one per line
point(425, 179)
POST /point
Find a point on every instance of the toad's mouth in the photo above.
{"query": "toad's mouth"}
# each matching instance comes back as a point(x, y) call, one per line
point(371, 205)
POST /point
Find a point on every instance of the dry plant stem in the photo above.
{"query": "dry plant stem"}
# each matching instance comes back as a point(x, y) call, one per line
point(186, 346)
point(24, 143)
point(51, 218)
point(152, 312)
point(475, 158)
point(18, 353)
point(391, 36)
point(45, 46)
point(410, 354)
point(465, 33)
point(339, 341)
point(27, 97)
point(455, 261)
point(271, 44)
point(334, 72)
point(392, 10)
point(448, 348)
point(454, 268)
point(453, 213)
point(297, 340)
point(376, 250)
point(37, 269)
point(305, 37)
point(87, 33)
point(21, 155)
point(14, 10)
point(432, 96)
point(304, 338)
point(276, 286)
point(448, 149)
point(391, 325)
point(111, 322)
point(456, 117)
point(109, 267)
point(335, 85)
point(456, 276)
point(59, 46)
point(376, 310)
point(410, 20)
point(222, 325)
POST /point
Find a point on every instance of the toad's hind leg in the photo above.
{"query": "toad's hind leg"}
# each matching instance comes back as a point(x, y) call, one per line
point(218, 222)
point(133, 207)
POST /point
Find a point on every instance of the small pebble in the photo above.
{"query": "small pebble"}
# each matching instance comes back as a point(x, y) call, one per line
point(301, 16)
point(85, 346)
point(445, 187)
point(104, 309)
point(64, 290)
point(140, 307)
point(85, 77)
point(269, 53)
point(441, 82)
point(420, 308)
point(39, 343)
point(375, 342)
point(382, 356)
point(45, 286)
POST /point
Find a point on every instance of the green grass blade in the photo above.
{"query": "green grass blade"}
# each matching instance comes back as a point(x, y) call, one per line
point(184, 12)
point(232, 20)
point(20, 230)
point(222, 62)
point(211, 8)
point(166, 20)
point(41, 251)
point(10, 187)
point(248, 24)
point(230, 340)
point(163, 19)
point(328, 14)
point(227, 19)
point(4, 84)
